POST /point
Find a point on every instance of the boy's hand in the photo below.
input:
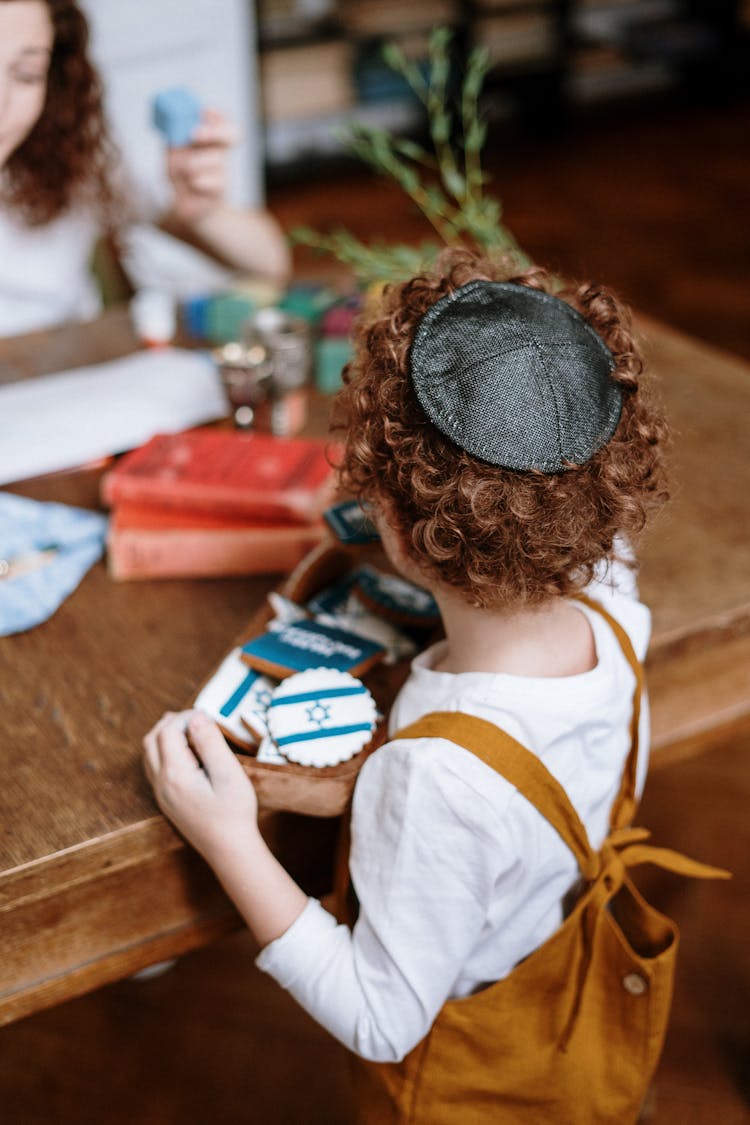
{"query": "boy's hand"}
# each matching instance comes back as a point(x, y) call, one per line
point(198, 171)
point(205, 792)
point(199, 784)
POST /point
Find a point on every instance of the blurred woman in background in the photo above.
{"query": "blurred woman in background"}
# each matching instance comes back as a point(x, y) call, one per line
point(63, 185)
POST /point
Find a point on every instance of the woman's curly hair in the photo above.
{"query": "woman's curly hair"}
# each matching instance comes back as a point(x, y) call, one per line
point(66, 157)
point(500, 537)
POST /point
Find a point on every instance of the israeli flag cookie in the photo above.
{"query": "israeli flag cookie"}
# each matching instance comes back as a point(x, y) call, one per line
point(268, 753)
point(254, 707)
point(233, 691)
point(310, 644)
point(321, 717)
point(395, 598)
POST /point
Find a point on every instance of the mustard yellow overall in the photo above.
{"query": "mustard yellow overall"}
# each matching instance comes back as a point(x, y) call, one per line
point(574, 1033)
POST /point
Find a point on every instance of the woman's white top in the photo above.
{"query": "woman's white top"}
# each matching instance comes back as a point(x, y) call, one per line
point(45, 272)
point(458, 876)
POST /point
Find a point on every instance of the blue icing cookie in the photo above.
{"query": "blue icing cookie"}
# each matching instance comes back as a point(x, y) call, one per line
point(321, 717)
point(310, 644)
point(333, 598)
point(350, 523)
point(395, 597)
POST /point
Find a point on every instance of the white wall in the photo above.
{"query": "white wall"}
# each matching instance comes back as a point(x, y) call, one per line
point(143, 46)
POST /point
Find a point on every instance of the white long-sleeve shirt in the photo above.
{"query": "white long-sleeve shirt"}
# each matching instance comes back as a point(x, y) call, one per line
point(458, 876)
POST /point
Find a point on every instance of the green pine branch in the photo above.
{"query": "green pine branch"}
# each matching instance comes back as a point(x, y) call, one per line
point(447, 186)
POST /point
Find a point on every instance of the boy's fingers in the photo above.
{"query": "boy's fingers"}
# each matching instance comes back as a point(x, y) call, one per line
point(210, 746)
point(150, 756)
point(151, 753)
point(166, 751)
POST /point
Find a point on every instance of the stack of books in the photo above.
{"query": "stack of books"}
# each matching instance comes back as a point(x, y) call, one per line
point(216, 503)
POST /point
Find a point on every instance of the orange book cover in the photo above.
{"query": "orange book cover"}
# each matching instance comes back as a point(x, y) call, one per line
point(257, 475)
point(153, 542)
point(134, 513)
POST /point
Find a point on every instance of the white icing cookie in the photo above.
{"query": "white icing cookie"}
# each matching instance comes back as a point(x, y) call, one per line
point(235, 691)
point(254, 707)
point(268, 753)
point(356, 618)
point(285, 611)
point(321, 717)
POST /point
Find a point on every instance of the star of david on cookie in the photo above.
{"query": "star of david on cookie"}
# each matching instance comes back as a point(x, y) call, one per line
point(321, 717)
point(233, 693)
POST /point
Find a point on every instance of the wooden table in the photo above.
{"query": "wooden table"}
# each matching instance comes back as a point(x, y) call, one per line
point(94, 884)
point(696, 564)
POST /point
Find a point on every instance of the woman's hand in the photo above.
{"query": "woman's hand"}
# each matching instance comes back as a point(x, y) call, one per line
point(198, 171)
point(244, 238)
point(200, 785)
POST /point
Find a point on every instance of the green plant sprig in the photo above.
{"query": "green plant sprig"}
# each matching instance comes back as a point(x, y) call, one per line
point(452, 199)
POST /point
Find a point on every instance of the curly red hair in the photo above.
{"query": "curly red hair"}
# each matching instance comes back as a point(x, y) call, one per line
point(65, 158)
point(500, 537)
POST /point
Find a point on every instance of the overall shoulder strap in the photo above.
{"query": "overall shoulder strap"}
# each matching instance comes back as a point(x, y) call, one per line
point(508, 757)
point(625, 803)
point(513, 761)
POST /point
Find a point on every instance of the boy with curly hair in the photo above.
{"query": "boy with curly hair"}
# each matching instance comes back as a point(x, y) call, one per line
point(498, 429)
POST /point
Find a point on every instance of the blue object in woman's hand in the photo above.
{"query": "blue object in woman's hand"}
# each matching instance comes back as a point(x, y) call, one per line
point(176, 114)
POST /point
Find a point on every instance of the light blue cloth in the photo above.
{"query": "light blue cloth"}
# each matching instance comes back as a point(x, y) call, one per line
point(73, 536)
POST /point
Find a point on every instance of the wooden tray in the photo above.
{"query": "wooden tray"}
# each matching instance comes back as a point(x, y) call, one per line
point(317, 790)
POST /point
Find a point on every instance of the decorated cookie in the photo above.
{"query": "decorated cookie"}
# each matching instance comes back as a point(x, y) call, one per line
point(269, 754)
point(395, 598)
point(310, 644)
point(285, 611)
point(233, 691)
point(357, 618)
point(350, 523)
point(254, 707)
point(333, 598)
point(321, 717)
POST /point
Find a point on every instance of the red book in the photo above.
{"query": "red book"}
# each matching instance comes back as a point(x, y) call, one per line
point(148, 541)
point(259, 476)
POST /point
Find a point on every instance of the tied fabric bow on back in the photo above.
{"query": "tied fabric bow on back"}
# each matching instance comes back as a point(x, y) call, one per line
point(45, 550)
point(604, 874)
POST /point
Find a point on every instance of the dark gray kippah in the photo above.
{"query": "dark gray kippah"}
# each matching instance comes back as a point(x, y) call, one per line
point(515, 376)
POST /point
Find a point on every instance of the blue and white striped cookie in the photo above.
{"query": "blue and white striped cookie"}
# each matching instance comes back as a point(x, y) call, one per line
point(268, 754)
point(321, 717)
point(233, 694)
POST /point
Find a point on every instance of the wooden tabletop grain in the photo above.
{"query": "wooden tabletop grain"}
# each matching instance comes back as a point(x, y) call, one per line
point(94, 884)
